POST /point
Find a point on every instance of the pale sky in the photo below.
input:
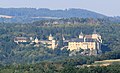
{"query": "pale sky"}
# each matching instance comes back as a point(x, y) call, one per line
point(107, 7)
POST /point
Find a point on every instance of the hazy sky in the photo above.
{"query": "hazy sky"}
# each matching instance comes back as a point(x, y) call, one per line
point(107, 7)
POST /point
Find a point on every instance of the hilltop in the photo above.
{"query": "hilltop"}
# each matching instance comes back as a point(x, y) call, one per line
point(32, 14)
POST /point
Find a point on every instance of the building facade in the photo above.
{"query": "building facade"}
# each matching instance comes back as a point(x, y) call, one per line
point(85, 42)
point(91, 42)
point(50, 43)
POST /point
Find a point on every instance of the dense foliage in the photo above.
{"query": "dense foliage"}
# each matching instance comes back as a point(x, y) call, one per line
point(58, 68)
point(10, 52)
point(26, 58)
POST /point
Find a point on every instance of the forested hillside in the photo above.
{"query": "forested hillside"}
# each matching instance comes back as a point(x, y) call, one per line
point(32, 14)
point(44, 12)
point(11, 53)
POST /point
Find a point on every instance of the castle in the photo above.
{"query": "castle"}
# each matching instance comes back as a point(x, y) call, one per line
point(91, 42)
point(50, 43)
point(86, 42)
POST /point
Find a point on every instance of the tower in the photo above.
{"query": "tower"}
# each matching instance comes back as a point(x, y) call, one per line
point(53, 44)
point(81, 36)
point(63, 38)
point(36, 40)
point(95, 35)
point(50, 38)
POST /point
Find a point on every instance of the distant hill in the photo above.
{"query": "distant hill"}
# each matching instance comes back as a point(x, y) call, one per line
point(31, 14)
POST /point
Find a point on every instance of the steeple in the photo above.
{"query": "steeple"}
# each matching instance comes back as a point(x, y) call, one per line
point(63, 38)
point(36, 40)
point(95, 35)
point(50, 37)
point(81, 35)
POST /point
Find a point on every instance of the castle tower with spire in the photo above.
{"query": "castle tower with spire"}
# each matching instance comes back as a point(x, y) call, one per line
point(81, 36)
point(97, 36)
point(36, 40)
point(50, 38)
point(91, 42)
point(63, 38)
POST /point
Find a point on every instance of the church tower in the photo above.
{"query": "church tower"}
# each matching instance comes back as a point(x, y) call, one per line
point(50, 38)
point(81, 36)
